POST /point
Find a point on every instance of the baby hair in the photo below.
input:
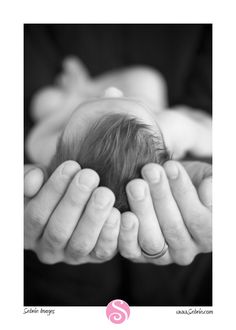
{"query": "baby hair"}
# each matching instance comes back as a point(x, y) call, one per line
point(116, 146)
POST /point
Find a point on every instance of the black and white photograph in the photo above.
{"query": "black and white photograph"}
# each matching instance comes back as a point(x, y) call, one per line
point(118, 164)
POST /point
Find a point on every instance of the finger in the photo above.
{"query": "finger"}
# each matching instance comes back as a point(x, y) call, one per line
point(181, 245)
point(128, 237)
point(89, 227)
point(68, 212)
point(106, 246)
point(205, 192)
point(150, 235)
point(195, 214)
point(33, 180)
point(39, 209)
point(28, 168)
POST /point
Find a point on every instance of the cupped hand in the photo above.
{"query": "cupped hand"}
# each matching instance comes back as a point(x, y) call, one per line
point(68, 218)
point(170, 204)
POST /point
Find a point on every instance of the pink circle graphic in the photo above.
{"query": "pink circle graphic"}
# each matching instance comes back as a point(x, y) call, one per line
point(118, 311)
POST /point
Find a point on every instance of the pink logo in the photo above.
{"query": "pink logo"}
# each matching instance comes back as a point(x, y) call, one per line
point(118, 311)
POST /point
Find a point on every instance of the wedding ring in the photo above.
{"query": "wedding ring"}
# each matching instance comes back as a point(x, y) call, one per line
point(156, 255)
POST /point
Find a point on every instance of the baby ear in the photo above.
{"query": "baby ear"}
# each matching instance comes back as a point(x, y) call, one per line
point(113, 92)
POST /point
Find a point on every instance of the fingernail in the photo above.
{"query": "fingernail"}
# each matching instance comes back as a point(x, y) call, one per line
point(86, 180)
point(69, 168)
point(31, 170)
point(127, 224)
point(100, 199)
point(205, 192)
point(137, 192)
point(172, 171)
point(153, 175)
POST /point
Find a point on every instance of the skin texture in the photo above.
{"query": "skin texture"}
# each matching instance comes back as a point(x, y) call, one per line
point(186, 227)
point(180, 215)
point(175, 208)
point(52, 229)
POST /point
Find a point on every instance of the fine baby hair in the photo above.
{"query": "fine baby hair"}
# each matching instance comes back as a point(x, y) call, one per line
point(116, 146)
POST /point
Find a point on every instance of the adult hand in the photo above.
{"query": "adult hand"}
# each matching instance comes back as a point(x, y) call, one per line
point(69, 218)
point(34, 178)
point(173, 205)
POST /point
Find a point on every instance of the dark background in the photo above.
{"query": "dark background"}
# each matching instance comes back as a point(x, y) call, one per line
point(183, 54)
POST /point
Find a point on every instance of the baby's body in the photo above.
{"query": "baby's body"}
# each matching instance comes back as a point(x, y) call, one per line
point(184, 130)
point(137, 82)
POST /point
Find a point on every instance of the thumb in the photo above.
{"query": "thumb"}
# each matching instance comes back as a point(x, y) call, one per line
point(33, 180)
point(205, 192)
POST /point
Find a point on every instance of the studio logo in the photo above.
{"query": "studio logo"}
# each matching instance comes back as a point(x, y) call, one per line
point(118, 311)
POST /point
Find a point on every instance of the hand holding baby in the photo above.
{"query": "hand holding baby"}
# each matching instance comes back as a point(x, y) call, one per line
point(68, 221)
point(170, 208)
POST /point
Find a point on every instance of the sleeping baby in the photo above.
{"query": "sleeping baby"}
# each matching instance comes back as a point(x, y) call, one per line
point(114, 123)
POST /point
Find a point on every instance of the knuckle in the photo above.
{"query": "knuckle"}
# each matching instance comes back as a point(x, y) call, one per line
point(54, 184)
point(125, 239)
point(47, 257)
point(79, 249)
point(110, 226)
point(113, 218)
point(108, 240)
point(160, 192)
point(127, 254)
point(35, 215)
point(198, 219)
point(75, 201)
point(56, 238)
point(103, 254)
point(183, 189)
point(185, 259)
point(173, 230)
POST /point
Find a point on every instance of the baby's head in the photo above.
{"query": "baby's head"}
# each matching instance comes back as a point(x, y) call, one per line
point(115, 137)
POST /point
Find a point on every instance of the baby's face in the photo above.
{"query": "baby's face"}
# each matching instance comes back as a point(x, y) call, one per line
point(111, 102)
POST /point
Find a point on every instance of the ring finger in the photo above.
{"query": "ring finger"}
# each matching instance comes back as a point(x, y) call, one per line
point(195, 215)
point(181, 245)
point(150, 236)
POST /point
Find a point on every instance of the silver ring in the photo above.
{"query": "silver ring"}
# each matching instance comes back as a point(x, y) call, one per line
point(156, 255)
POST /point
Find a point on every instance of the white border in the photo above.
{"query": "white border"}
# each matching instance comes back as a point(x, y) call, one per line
point(13, 15)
